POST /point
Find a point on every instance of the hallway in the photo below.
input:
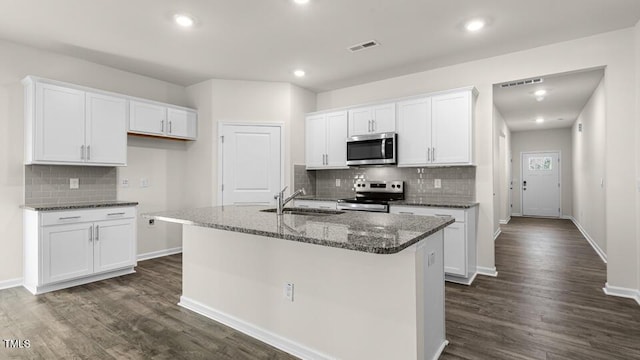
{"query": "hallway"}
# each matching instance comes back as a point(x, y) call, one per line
point(546, 303)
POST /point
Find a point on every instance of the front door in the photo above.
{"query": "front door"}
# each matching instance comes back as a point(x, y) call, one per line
point(250, 164)
point(541, 184)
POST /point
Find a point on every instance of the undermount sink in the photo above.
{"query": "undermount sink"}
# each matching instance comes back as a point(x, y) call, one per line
point(305, 211)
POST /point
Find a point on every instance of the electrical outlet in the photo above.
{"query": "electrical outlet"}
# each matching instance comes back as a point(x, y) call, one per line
point(74, 183)
point(288, 291)
point(124, 183)
point(144, 182)
point(432, 258)
point(437, 183)
point(337, 182)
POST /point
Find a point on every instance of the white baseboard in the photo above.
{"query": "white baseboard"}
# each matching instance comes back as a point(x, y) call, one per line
point(622, 292)
point(440, 350)
point(516, 214)
point(37, 290)
point(11, 283)
point(263, 335)
point(486, 271)
point(593, 244)
point(460, 280)
point(497, 233)
point(505, 221)
point(159, 253)
point(566, 217)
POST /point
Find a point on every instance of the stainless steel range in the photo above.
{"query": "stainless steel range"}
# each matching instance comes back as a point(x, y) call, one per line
point(373, 196)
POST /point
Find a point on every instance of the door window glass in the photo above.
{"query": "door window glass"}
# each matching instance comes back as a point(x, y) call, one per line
point(542, 163)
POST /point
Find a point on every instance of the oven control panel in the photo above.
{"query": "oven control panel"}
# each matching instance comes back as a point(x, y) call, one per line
point(394, 186)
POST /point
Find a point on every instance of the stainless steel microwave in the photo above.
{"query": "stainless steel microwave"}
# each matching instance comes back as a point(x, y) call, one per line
point(373, 149)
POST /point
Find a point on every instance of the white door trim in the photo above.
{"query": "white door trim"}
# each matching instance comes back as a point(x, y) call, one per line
point(221, 125)
point(522, 154)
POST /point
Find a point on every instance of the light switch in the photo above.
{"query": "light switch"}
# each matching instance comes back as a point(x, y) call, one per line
point(337, 182)
point(124, 183)
point(74, 183)
point(437, 183)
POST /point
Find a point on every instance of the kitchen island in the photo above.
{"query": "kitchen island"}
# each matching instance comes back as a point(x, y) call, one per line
point(362, 285)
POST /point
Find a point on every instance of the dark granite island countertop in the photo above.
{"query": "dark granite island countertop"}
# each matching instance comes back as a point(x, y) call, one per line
point(379, 233)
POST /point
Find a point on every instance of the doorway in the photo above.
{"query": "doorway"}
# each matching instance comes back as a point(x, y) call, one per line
point(541, 185)
point(249, 163)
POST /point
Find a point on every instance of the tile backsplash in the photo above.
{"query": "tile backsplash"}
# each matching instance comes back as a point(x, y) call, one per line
point(49, 184)
point(457, 183)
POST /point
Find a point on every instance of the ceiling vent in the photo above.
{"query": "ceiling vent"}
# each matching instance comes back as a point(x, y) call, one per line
point(522, 82)
point(365, 45)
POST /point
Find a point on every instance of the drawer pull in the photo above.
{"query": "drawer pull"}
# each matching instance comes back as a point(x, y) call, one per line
point(325, 207)
point(442, 215)
point(69, 218)
point(406, 212)
point(115, 214)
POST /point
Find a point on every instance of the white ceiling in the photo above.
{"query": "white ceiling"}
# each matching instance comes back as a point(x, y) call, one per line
point(268, 39)
point(567, 94)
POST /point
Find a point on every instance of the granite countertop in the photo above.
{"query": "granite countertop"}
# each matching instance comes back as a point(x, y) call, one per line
point(430, 202)
point(411, 201)
point(78, 205)
point(379, 233)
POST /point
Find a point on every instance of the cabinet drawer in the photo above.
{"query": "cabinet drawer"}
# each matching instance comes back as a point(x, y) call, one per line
point(87, 215)
point(457, 214)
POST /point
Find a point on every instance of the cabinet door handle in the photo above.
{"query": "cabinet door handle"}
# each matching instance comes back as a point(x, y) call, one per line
point(115, 214)
point(373, 125)
point(170, 127)
point(69, 218)
point(327, 159)
point(97, 232)
point(88, 152)
point(441, 215)
point(429, 154)
point(161, 125)
point(406, 212)
point(81, 152)
point(90, 233)
point(433, 152)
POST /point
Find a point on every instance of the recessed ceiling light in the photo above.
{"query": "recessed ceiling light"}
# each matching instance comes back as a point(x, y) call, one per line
point(301, 2)
point(184, 20)
point(540, 93)
point(539, 120)
point(474, 25)
point(299, 73)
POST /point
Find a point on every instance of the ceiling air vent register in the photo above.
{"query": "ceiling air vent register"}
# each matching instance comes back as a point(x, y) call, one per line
point(522, 82)
point(365, 45)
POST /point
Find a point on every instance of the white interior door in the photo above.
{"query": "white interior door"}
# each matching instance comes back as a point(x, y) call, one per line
point(250, 163)
point(541, 184)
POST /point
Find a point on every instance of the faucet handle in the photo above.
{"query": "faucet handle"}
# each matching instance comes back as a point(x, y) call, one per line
point(282, 191)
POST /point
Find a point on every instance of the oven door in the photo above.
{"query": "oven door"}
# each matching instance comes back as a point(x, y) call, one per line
point(373, 149)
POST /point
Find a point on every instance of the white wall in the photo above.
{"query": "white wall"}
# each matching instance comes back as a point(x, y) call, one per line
point(153, 159)
point(502, 169)
point(616, 51)
point(544, 140)
point(241, 101)
point(589, 168)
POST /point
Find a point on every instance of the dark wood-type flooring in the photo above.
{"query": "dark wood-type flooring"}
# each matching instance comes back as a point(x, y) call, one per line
point(546, 303)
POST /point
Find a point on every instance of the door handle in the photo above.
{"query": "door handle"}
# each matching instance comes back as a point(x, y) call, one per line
point(170, 127)
point(433, 153)
point(88, 152)
point(429, 154)
point(162, 125)
point(373, 125)
point(369, 126)
point(81, 152)
point(524, 183)
point(384, 148)
point(90, 233)
point(97, 232)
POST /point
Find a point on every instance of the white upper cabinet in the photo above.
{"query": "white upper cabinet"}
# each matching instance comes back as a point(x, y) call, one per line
point(182, 123)
point(436, 130)
point(69, 126)
point(147, 118)
point(452, 124)
point(372, 119)
point(325, 139)
point(156, 119)
point(59, 128)
point(106, 135)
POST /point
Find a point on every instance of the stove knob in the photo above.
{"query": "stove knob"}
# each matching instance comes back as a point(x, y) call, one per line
point(393, 186)
point(398, 186)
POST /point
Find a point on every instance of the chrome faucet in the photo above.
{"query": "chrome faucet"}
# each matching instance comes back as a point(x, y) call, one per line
point(281, 202)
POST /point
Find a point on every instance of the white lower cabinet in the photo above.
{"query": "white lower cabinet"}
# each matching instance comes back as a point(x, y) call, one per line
point(460, 264)
point(68, 248)
point(315, 204)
